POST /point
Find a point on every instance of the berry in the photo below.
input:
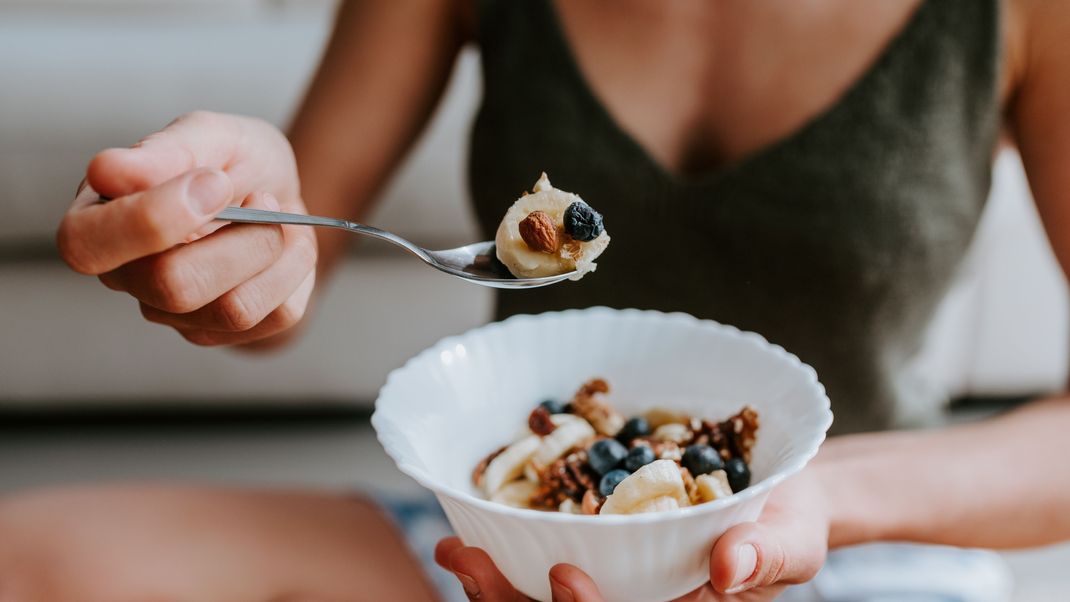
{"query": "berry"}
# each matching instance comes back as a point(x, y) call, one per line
point(638, 457)
point(635, 427)
point(610, 481)
point(553, 406)
point(738, 474)
point(701, 459)
point(605, 454)
point(583, 223)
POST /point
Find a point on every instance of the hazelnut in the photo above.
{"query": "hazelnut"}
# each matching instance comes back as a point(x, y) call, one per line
point(539, 232)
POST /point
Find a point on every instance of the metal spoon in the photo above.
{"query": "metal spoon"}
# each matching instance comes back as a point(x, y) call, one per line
point(476, 262)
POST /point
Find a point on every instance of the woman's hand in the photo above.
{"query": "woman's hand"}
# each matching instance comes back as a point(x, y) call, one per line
point(753, 561)
point(156, 241)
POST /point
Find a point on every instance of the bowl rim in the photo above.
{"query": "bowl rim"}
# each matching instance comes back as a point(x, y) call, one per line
point(379, 420)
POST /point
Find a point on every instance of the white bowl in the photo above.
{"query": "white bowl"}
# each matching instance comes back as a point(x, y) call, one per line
point(454, 403)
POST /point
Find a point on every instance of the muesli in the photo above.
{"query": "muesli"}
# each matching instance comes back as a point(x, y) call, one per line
point(585, 457)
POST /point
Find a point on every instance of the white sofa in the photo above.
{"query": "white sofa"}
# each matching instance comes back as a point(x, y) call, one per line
point(82, 75)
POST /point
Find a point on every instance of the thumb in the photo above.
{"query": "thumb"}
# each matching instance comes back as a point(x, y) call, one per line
point(198, 139)
point(98, 237)
point(755, 555)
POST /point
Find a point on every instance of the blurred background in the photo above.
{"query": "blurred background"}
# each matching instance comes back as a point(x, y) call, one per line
point(91, 392)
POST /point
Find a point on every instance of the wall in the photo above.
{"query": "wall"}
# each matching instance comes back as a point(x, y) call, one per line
point(82, 75)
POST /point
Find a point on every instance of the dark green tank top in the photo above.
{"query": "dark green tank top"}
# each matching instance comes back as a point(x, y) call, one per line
point(836, 242)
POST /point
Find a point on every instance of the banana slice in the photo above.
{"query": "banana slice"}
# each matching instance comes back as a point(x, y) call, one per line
point(570, 507)
point(509, 464)
point(515, 493)
point(713, 486)
point(570, 432)
point(673, 431)
point(660, 416)
point(525, 262)
point(639, 492)
point(658, 504)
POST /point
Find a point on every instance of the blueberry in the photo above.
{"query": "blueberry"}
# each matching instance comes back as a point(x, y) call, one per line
point(635, 427)
point(583, 223)
point(610, 481)
point(701, 459)
point(605, 454)
point(553, 406)
point(638, 457)
point(738, 474)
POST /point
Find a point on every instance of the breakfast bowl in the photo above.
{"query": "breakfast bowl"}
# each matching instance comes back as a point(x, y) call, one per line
point(448, 407)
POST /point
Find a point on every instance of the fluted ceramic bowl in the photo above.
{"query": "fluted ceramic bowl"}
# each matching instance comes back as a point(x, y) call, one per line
point(466, 396)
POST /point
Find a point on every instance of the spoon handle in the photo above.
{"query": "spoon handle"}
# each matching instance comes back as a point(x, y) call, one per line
point(263, 216)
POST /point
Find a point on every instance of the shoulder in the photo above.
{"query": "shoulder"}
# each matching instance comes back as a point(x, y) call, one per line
point(1036, 42)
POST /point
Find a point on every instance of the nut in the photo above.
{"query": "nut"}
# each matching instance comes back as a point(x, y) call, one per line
point(690, 486)
point(675, 432)
point(592, 502)
point(589, 403)
point(539, 232)
point(567, 477)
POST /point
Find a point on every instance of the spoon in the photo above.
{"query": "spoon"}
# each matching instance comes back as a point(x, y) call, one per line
point(475, 263)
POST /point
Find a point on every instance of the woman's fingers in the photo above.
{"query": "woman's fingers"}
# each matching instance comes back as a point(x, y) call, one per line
point(282, 318)
point(570, 584)
point(479, 577)
point(275, 296)
point(483, 581)
point(191, 276)
point(95, 238)
point(754, 555)
point(445, 548)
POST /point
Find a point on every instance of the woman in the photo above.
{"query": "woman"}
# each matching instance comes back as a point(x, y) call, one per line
point(811, 171)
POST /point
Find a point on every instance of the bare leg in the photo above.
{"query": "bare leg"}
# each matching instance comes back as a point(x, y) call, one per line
point(162, 543)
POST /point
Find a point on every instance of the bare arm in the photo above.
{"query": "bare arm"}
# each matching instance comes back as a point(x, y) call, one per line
point(1000, 483)
point(382, 75)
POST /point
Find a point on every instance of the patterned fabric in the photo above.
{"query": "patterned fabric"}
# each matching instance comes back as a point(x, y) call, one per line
point(423, 524)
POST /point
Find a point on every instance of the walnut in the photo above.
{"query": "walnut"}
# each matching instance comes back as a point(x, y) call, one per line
point(539, 421)
point(539, 232)
point(675, 432)
point(734, 437)
point(667, 450)
point(589, 403)
point(569, 477)
point(690, 486)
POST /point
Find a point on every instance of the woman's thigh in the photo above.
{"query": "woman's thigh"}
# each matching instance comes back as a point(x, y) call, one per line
point(166, 543)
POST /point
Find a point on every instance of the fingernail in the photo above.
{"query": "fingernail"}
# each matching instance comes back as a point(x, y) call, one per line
point(271, 203)
point(471, 588)
point(208, 192)
point(746, 562)
point(560, 593)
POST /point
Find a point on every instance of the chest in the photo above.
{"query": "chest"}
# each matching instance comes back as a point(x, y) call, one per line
point(701, 84)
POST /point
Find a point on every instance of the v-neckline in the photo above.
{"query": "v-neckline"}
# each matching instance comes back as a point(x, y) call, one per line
point(709, 176)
